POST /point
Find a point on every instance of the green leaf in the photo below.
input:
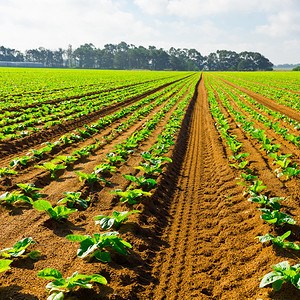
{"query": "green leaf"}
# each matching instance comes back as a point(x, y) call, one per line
point(51, 274)
point(77, 238)
point(4, 264)
point(98, 278)
point(103, 256)
point(270, 278)
point(42, 205)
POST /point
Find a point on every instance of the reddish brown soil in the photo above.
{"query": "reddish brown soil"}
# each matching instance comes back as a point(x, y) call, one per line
point(193, 240)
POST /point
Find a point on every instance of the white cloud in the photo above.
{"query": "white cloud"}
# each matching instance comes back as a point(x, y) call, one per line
point(197, 8)
point(283, 24)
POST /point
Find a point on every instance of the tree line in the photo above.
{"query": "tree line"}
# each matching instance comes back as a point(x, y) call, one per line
point(123, 56)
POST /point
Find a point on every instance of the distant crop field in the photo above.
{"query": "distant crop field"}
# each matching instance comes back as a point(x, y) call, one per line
point(149, 185)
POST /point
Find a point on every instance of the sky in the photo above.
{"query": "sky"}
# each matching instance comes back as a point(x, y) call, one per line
point(270, 27)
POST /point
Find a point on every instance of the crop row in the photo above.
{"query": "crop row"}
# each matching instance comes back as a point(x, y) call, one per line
point(270, 207)
point(16, 124)
point(145, 106)
point(283, 97)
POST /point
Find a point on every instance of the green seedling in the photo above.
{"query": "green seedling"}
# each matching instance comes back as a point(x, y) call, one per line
point(247, 177)
point(57, 213)
point(7, 171)
point(115, 221)
point(255, 188)
point(290, 172)
point(4, 264)
point(51, 167)
point(14, 197)
point(114, 159)
point(20, 161)
point(90, 178)
point(147, 183)
point(74, 197)
point(264, 200)
point(275, 217)
point(283, 272)
point(130, 195)
point(19, 248)
point(150, 169)
point(81, 153)
point(30, 190)
point(241, 165)
point(279, 240)
point(41, 152)
point(239, 156)
point(99, 245)
point(65, 159)
point(105, 168)
point(60, 286)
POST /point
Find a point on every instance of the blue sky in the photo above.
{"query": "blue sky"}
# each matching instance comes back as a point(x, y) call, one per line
point(271, 27)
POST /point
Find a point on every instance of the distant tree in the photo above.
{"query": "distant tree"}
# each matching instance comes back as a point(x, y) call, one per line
point(7, 54)
point(85, 56)
point(296, 69)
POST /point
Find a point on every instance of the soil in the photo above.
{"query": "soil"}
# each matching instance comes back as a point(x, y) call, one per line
point(194, 237)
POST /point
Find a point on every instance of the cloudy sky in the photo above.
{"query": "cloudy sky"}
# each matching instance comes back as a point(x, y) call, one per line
point(271, 27)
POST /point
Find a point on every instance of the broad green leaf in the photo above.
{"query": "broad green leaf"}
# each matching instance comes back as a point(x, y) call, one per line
point(77, 238)
point(270, 278)
point(42, 205)
point(4, 264)
point(98, 278)
point(49, 273)
point(103, 256)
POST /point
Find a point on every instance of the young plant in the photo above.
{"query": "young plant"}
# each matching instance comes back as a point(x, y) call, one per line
point(57, 213)
point(19, 248)
point(114, 159)
point(247, 177)
point(115, 221)
point(105, 169)
point(90, 178)
point(290, 172)
point(51, 167)
point(147, 183)
point(4, 264)
point(60, 286)
point(30, 190)
point(241, 165)
point(14, 197)
point(74, 197)
point(239, 156)
point(7, 171)
point(99, 245)
point(283, 272)
point(275, 217)
point(255, 188)
point(20, 161)
point(130, 195)
point(279, 240)
point(264, 200)
point(149, 169)
point(66, 159)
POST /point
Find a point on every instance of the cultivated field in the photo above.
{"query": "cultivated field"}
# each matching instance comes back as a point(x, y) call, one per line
point(181, 152)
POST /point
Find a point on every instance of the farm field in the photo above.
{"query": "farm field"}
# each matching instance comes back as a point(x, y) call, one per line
point(181, 152)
